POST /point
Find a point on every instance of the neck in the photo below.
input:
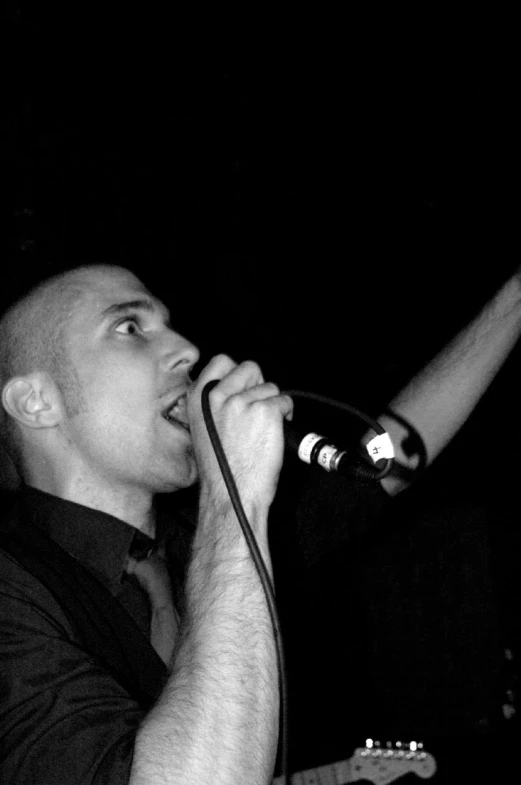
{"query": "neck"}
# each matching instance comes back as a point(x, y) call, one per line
point(134, 506)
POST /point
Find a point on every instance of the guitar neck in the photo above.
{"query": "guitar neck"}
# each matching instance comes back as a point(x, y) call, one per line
point(379, 765)
point(333, 774)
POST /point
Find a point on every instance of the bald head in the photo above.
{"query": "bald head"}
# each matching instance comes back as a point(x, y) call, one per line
point(33, 339)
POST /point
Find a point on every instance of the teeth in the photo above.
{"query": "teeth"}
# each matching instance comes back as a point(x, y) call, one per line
point(177, 412)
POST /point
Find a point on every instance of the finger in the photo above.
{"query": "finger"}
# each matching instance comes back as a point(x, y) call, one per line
point(218, 367)
point(286, 406)
point(243, 377)
point(287, 409)
point(283, 403)
point(261, 391)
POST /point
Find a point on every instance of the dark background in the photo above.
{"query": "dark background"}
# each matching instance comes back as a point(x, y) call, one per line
point(333, 197)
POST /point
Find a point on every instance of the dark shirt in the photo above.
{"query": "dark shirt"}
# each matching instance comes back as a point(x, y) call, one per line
point(66, 715)
point(71, 702)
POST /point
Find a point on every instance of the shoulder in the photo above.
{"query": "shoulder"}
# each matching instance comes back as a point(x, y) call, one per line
point(25, 600)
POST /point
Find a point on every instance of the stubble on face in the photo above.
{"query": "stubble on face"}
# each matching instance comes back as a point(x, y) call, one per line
point(170, 462)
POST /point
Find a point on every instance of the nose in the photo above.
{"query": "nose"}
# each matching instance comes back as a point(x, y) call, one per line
point(180, 354)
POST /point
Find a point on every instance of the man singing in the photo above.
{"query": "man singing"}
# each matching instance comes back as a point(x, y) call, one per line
point(113, 669)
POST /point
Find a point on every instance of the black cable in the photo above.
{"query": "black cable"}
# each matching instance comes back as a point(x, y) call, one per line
point(259, 564)
point(265, 579)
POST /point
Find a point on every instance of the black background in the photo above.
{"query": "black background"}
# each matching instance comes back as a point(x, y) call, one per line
point(333, 196)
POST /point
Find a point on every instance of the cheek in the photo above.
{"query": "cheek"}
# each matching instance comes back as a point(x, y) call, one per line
point(116, 422)
point(122, 393)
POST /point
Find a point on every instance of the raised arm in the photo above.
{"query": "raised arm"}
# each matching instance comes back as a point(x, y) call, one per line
point(217, 719)
point(438, 400)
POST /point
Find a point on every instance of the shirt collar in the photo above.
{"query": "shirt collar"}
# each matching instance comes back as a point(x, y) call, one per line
point(100, 541)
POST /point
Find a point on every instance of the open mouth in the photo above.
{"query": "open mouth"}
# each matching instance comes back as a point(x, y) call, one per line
point(176, 413)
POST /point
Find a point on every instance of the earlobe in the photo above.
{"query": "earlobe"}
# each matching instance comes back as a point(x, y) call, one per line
point(29, 401)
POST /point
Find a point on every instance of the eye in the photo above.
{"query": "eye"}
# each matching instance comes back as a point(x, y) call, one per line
point(130, 325)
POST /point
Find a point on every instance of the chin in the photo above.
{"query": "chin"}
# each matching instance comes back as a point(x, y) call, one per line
point(176, 479)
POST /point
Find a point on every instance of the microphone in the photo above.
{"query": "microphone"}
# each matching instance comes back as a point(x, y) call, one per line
point(314, 449)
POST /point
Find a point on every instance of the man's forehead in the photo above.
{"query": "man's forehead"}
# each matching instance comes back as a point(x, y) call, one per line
point(105, 281)
point(104, 289)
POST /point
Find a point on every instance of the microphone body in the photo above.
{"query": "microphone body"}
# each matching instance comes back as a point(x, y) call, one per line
point(315, 449)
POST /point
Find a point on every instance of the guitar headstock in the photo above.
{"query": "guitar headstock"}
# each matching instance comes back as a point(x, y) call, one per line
point(384, 764)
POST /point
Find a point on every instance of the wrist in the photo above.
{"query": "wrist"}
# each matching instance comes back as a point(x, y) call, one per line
point(220, 546)
point(219, 525)
point(217, 501)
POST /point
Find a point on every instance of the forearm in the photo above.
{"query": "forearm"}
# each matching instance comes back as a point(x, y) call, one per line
point(437, 402)
point(217, 720)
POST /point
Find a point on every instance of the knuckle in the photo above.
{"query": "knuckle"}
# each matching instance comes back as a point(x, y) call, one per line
point(224, 358)
point(236, 410)
point(251, 365)
point(271, 388)
point(223, 364)
point(213, 395)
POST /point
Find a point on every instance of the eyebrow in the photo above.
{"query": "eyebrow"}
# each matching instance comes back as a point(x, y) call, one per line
point(144, 304)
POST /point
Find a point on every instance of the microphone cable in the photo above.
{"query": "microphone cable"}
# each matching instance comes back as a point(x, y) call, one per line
point(259, 565)
point(252, 543)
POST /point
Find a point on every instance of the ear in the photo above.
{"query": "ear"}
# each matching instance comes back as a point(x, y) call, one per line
point(32, 400)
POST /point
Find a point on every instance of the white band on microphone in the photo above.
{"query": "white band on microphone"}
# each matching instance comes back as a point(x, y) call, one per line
point(379, 447)
point(305, 447)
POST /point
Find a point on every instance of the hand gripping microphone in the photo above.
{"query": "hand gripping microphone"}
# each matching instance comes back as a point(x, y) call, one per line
point(314, 449)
